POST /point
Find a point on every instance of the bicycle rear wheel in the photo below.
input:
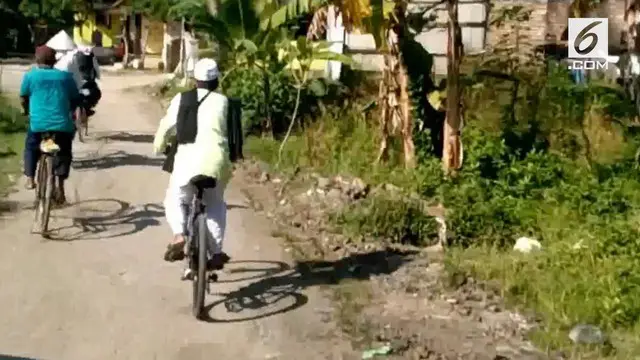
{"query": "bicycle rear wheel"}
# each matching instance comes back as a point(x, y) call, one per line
point(85, 121)
point(44, 192)
point(200, 280)
point(81, 123)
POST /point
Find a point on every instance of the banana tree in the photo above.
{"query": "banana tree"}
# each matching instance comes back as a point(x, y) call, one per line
point(392, 28)
point(298, 56)
point(452, 151)
point(242, 29)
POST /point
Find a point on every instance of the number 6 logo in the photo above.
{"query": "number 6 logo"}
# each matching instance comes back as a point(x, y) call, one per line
point(588, 38)
point(584, 35)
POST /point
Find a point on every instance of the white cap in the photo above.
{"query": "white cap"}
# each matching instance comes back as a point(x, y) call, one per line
point(61, 42)
point(206, 70)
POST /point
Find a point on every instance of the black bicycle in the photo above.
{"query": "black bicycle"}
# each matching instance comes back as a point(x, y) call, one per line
point(196, 246)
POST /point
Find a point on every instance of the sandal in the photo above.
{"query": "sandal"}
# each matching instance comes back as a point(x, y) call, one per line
point(30, 184)
point(174, 252)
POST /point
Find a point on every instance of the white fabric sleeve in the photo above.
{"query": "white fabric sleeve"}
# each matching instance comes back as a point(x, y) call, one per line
point(167, 123)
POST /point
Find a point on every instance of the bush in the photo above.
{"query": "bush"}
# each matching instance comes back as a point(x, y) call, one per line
point(395, 220)
point(13, 125)
point(249, 86)
point(11, 118)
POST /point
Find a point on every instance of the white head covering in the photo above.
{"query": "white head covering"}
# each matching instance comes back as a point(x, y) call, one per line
point(206, 70)
point(61, 42)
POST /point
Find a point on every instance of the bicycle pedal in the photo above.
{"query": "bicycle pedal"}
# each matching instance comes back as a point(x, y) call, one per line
point(188, 274)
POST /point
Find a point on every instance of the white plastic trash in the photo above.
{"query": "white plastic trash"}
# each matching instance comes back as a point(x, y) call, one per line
point(526, 245)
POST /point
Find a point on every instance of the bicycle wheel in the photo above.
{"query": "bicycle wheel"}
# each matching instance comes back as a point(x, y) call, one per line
point(200, 280)
point(80, 123)
point(85, 121)
point(39, 191)
point(44, 193)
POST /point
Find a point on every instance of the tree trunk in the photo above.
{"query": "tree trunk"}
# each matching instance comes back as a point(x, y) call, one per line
point(213, 6)
point(394, 90)
point(293, 121)
point(405, 113)
point(143, 42)
point(452, 152)
point(126, 36)
point(402, 84)
point(267, 128)
point(180, 69)
point(137, 35)
point(385, 111)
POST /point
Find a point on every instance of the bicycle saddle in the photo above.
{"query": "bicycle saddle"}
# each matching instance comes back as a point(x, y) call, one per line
point(203, 182)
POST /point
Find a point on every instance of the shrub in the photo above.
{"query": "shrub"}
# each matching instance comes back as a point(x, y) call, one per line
point(395, 220)
point(249, 86)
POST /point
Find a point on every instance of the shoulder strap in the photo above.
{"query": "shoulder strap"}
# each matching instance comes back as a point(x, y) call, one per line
point(204, 97)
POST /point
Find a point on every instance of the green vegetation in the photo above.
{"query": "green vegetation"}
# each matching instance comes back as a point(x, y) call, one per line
point(543, 158)
point(563, 172)
point(12, 130)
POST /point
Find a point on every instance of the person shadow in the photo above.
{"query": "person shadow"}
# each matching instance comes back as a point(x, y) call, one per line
point(280, 287)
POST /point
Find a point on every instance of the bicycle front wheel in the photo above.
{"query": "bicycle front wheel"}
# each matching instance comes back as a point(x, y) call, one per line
point(200, 280)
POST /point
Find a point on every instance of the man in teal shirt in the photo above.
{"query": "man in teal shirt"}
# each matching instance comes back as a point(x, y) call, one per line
point(49, 96)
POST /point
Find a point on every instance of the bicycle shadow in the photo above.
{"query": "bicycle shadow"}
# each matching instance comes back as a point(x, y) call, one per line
point(125, 136)
point(284, 282)
point(236, 206)
point(107, 218)
point(10, 357)
point(115, 159)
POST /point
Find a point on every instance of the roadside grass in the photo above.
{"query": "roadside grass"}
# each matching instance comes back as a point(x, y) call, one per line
point(13, 127)
point(587, 219)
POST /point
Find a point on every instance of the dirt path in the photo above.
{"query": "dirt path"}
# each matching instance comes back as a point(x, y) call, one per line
point(100, 289)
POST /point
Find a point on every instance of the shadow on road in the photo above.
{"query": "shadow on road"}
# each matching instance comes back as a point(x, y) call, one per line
point(104, 218)
point(236, 206)
point(116, 159)
point(126, 137)
point(278, 287)
point(8, 206)
point(9, 357)
point(7, 153)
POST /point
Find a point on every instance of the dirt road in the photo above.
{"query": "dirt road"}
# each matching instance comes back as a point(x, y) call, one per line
point(100, 290)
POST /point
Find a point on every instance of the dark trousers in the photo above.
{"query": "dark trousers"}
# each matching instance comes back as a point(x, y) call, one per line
point(62, 160)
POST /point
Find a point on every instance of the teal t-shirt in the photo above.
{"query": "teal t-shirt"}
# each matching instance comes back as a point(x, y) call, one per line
point(51, 93)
